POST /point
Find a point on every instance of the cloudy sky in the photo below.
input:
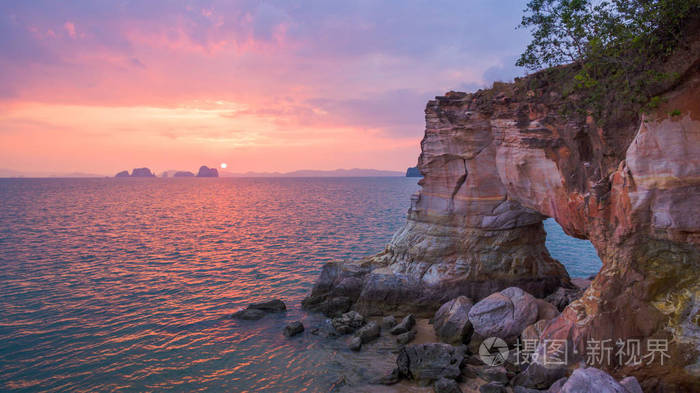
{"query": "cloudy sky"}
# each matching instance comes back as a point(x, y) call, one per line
point(100, 86)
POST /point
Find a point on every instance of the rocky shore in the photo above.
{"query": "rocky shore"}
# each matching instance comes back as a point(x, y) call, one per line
point(496, 163)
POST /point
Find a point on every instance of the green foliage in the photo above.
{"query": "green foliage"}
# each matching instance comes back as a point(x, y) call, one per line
point(614, 48)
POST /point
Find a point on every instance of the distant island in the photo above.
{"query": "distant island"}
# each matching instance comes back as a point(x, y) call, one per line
point(183, 174)
point(205, 171)
point(136, 172)
point(413, 171)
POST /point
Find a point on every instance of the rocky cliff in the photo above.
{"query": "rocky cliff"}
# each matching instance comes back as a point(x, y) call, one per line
point(496, 163)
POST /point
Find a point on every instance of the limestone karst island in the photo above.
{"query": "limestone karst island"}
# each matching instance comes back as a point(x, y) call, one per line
point(522, 212)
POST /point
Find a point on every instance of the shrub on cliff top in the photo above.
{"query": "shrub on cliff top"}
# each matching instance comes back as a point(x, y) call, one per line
point(616, 48)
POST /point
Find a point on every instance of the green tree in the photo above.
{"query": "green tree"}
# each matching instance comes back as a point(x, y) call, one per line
point(615, 48)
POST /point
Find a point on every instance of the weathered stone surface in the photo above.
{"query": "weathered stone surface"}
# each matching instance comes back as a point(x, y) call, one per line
point(274, 305)
point(504, 314)
point(348, 322)
point(445, 385)
point(429, 362)
point(493, 374)
point(368, 332)
point(585, 380)
point(562, 297)
point(406, 324)
point(451, 321)
point(557, 385)
point(405, 338)
point(390, 378)
point(534, 331)
point(293, 329)
point(539, 376)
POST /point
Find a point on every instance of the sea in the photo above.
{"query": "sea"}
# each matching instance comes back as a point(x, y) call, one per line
point(127, 285)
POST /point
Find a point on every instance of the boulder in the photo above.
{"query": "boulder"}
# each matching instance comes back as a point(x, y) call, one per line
point(293, 329)
point(631, 385)
point(348, 322)
point(368, 332)
point(355, 344)
point(249, 314)
point(557, 385)
point(404, 326)
point(504, 314)
point(546, 310)
point(539, 376)
point(274, 305)
point(405, 338)
point(446, 385)
point(429, 362)
point(520, 389)
point(388, 322)
point(451, 321)
point(591, 379)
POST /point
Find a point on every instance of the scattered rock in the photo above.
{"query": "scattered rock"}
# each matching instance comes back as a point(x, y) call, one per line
point(451, 321)
point(445, 385)
point(368, 332)
point(249, 314)
point(492, 387)
point(591, 379)
point(404, 326)
point(348, 322)
point(336, 306)
point(504, 314)
point(429, 362)
point(405, 338)
point(631, 385)
point(355, 344)
point(520, 389)
point(388, 322)
point(274, 305)
point(293, 329)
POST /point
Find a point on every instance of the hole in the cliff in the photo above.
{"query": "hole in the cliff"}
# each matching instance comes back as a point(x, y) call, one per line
point(578, 256)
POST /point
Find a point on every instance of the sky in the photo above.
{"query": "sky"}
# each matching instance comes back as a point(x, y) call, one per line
point(102, 86)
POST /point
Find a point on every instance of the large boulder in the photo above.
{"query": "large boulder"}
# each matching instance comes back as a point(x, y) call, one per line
point(249, 314)
point(591, 379)
point(429, 362)
point(293, 329)
point(404, 326)
point(368, 332)
point(504, 314)
point(451, 321)
point(274, 305)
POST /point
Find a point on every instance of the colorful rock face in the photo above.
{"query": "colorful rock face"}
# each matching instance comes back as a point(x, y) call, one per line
point(497, 162)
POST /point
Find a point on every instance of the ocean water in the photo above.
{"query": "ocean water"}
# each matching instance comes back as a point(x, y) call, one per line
point(126, 285)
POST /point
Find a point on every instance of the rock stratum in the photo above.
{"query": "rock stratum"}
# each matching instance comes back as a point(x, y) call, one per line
point(496, 163)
